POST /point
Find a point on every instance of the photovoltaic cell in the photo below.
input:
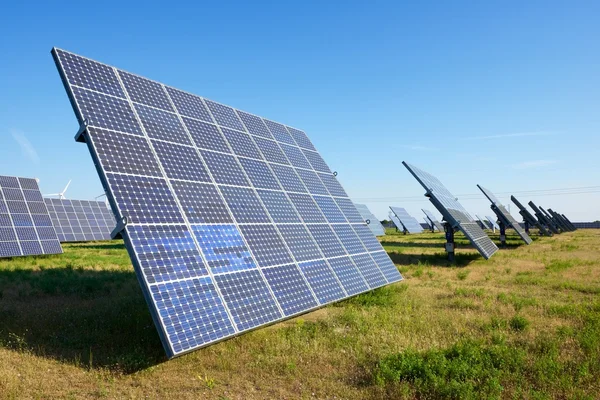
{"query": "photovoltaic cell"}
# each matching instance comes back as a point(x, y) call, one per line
point(80, 220)
point(452, 211)
point(25, 224)
point(233, 221)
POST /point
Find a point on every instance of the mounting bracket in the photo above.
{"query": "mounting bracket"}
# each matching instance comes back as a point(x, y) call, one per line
point(82, 129)
point(116, 233)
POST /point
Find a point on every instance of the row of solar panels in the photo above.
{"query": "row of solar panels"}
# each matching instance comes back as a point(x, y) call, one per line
point(457, 218)
point(232, 221)
point(32, 225)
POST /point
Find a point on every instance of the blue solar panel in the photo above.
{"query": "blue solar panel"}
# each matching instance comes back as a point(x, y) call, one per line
point(234, 221)
point(410, 223)
point(80, 220)
point(25, 224)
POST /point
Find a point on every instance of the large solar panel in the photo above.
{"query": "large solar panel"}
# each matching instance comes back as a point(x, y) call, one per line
point(452, 211)
point(25, 226)
point(410, 223)
point(371, 220)
point(504, 216)
point(80, 220)
point(433, 220)
point(233, 221)
point(528, 217)
point(569, 222)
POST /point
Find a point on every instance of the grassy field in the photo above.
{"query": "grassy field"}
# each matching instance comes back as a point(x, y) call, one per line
point(525, 324)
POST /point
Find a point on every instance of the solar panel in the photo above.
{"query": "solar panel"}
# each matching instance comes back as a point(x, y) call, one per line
point(25, 226)
point(559, 219)
point(80, 220)
point(483, 222)
point(233, 221)
point(452, 211)
point(528, 217)
point(396, 221)
point(492, 222)
point(433, 220)
point(542, 218)
point(371, 220)
point(409, 222)
point(504, 216)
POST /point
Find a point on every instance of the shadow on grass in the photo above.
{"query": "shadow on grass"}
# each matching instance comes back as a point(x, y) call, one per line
point(436, 260)
point(87, 318)
point(412, 244)
point(100, 246)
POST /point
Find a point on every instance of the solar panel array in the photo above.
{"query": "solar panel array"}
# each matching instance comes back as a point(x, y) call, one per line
point(373, 223)
point(409, 222)
point(25, 226)
point(551, 220)
point(542, 218)
point(433, 220)
point(452, 211)
point(234, 221)
point(505, 216)
point(527, 216)
point(80, 220)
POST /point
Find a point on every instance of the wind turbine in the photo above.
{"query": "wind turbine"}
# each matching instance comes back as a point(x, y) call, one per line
point(60, 195)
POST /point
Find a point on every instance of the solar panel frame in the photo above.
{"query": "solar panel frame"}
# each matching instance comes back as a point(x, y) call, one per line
point(504, 216)
point(89, 220)
point(25, 225)
point(410, 223)
point(172, 222)
point(371, 220)
point(452, 211)
point(433, 220)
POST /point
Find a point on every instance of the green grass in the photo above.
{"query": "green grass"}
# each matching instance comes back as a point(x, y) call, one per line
point(524, 324)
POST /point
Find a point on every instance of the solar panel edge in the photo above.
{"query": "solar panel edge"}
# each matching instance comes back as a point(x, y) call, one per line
point(114, 205)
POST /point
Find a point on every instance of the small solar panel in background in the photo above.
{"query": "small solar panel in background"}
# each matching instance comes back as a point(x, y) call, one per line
point(25, 225)
point(80, 220)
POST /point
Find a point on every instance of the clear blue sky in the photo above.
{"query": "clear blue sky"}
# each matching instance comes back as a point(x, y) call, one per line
point(506, 95)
